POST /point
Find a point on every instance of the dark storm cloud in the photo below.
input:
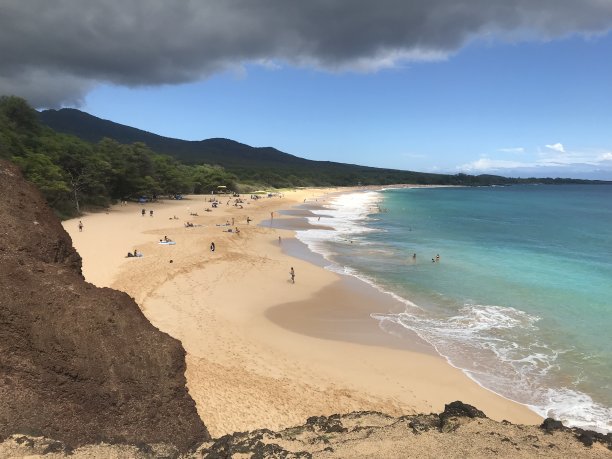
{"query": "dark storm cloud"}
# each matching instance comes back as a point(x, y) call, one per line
point(53, 52)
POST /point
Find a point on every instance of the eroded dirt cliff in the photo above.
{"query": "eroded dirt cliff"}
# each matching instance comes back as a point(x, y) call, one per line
point(78, 364)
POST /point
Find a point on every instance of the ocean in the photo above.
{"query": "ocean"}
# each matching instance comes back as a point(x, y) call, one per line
point(520, 298)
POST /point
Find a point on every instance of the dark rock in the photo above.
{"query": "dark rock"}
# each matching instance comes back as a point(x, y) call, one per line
point(549, 425)
point(423, 422)
point(54, 447)
point(451, 417)
point(79, 364)
point(451, 424)
point(331, 424)
point(360, 414)
point(245, 443)
point(461, 410)
point(25, 441)
point(586, 438)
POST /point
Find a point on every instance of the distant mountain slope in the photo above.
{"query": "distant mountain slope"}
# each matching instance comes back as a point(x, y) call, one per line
point(265, 166)
point(215, 151)
point(262, 165)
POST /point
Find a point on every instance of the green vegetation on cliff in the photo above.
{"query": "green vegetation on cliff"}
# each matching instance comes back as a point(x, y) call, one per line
point(74, 174)
point(264, 166)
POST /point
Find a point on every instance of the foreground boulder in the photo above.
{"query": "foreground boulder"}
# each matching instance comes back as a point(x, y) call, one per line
point(78, 364)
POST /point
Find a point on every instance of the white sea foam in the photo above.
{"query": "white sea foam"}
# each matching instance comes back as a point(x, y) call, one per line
point(346, 214)
point(482, 340)
point(496, 346)
point(575, 409)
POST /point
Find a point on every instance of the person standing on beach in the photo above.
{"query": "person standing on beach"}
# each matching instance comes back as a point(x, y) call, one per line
point(151, 213)
point(292, 273)
point(212, 246)
point(80, 226)
point(144, 211)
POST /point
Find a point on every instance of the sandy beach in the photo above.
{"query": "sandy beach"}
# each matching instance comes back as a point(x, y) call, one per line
point(263, 351)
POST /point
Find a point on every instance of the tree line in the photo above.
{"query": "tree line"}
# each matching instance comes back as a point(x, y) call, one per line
point(74, 175)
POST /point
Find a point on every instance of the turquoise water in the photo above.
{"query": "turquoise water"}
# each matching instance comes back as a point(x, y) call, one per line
point(521, 298)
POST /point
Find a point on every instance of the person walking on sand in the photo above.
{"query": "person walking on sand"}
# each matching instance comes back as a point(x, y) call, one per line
point(144, 211)
point(212, 246)
point(151, 213)
point(292, 273)
point(80, 226)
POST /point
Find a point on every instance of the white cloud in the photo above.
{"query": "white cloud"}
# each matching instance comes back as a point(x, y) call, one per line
point(559, 158)
point(557, 147)
point(140, 43)
point(553, 163)
point(488, 164)
point(606, 157)
point(512, 150)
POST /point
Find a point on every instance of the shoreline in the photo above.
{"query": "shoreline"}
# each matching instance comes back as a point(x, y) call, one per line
point(249, 364)
point(598, 420)
point(318, 324)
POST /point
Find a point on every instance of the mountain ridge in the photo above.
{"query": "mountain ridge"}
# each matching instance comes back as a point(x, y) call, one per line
point(93, 129)
point(264, 166)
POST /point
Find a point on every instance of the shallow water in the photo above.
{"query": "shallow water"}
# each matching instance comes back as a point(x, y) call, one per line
point(521, 298)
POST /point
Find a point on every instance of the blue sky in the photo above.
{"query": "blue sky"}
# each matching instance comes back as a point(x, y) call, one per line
point(480, 86)
point(489, 107)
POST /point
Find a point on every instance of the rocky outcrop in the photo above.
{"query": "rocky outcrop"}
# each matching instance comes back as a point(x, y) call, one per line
point(364, 434)
point(78, 364)
point(370, 434)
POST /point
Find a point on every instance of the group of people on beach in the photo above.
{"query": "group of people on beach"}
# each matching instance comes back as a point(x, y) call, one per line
point(214, 202)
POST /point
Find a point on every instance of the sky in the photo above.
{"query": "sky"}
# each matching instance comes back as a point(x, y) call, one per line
point(510, 87)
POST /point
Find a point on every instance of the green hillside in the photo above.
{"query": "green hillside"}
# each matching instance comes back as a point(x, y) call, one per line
point(74, 174)
point(267, 166)
point(261, 167)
